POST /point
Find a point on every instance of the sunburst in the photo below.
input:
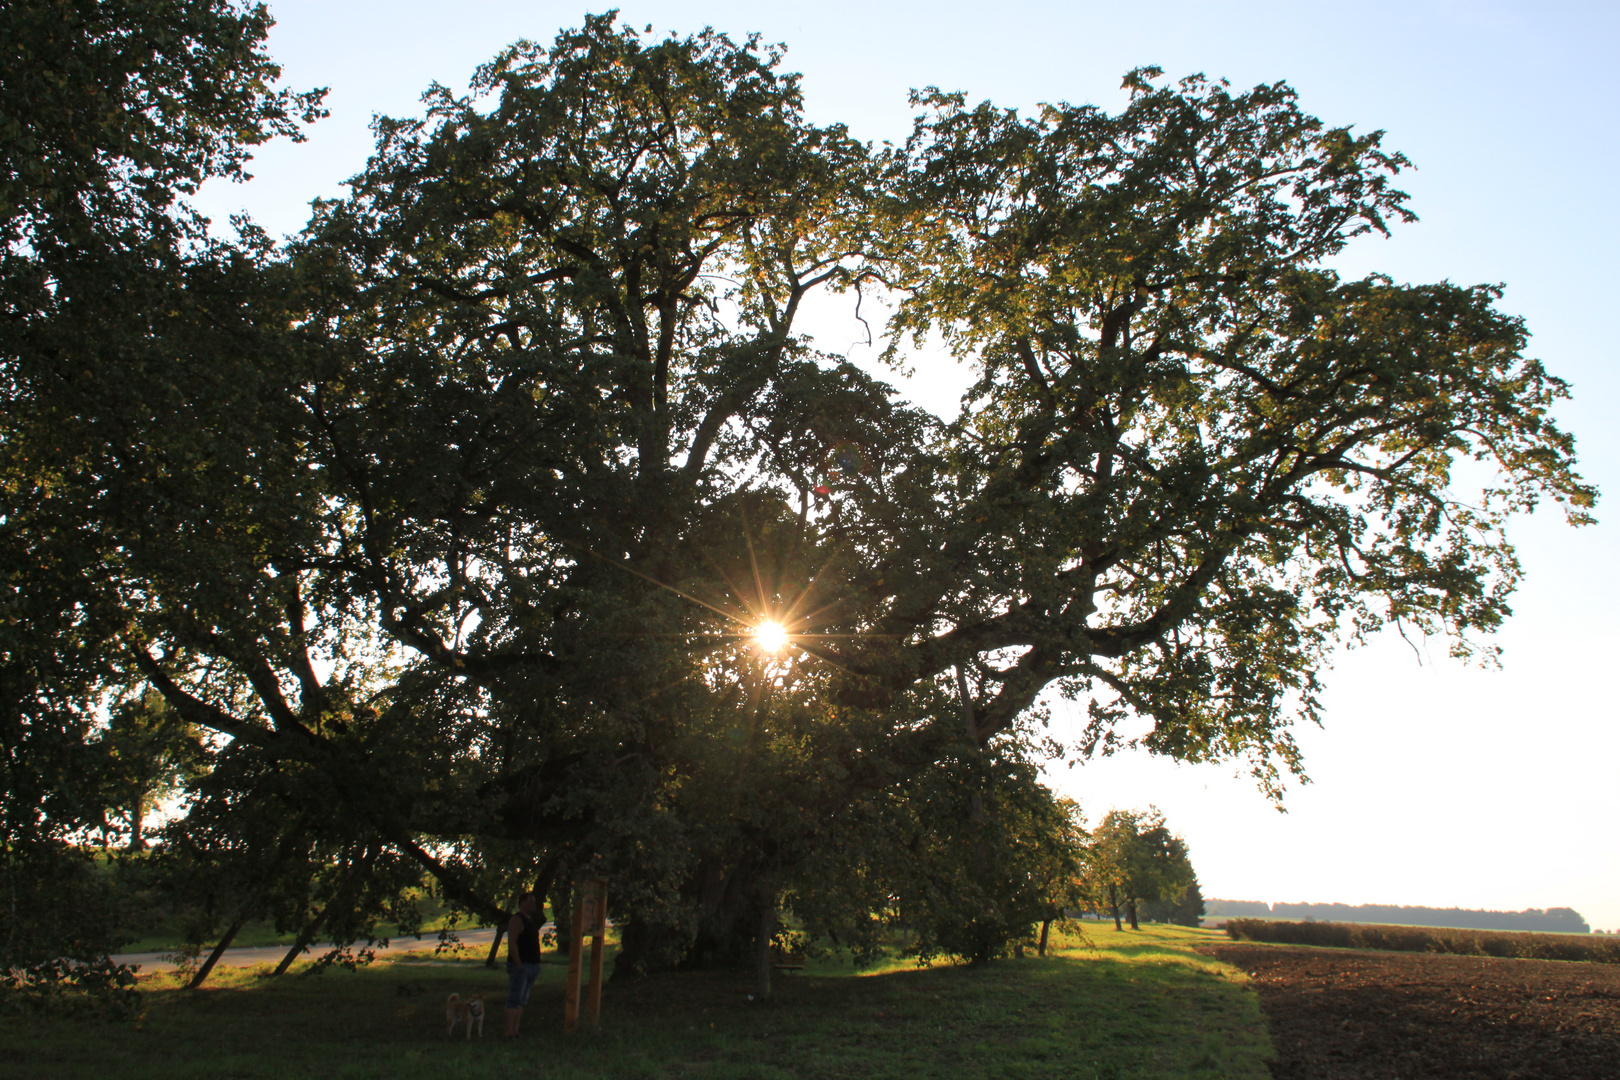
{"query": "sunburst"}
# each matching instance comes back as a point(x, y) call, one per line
point(770, 636)
point(777, 626)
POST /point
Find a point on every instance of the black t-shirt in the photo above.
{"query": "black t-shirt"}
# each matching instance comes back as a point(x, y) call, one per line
point(528, 942)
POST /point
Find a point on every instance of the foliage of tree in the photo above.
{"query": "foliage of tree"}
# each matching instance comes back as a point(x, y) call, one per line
point(109, 109)
point(62, 916)
point(455, 517)
point(1135, 859)
point(967, 858)
point(258, 844)
point(113, 108)
point(150, 754)
point(1189, 910)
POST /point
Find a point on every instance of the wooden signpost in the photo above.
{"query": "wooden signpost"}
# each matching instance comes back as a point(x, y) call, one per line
point(590, 916)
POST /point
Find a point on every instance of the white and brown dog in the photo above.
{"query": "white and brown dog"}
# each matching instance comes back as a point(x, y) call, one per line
point(469, 1012)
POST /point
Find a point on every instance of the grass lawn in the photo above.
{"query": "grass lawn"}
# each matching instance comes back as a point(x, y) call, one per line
point(1126, 1005)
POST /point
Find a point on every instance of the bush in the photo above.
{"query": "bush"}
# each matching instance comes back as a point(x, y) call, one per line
point(59, 922)
point(1602, 950)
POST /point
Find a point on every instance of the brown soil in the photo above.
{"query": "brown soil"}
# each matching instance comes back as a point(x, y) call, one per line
point(1344, 1014)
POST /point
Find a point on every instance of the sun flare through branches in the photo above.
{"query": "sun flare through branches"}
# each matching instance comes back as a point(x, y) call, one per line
point(770, 637)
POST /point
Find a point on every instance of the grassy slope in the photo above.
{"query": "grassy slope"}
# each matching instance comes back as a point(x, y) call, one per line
point(1133, 1005)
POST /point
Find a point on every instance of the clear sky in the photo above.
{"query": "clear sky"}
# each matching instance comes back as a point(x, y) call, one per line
point(1432, 783)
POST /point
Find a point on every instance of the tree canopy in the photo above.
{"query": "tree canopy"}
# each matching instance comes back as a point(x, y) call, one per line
point(110, 110)
point(456, 517)
point(1135, 860)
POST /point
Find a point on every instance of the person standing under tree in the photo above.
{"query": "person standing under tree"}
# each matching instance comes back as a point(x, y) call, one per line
point(522, 959)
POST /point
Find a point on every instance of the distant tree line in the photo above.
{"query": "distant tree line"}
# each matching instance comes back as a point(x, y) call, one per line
point(1560, 920)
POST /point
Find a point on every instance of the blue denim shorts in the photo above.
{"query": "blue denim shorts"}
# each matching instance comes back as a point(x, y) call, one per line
point(519, 981)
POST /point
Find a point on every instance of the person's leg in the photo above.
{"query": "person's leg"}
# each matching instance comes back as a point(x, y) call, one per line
point(516, 997)
point(528, 973)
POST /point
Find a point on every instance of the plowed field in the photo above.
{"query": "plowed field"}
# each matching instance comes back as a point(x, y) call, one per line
point(1341, 1013)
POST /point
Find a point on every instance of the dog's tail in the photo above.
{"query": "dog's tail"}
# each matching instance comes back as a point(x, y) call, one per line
point(451, 1000)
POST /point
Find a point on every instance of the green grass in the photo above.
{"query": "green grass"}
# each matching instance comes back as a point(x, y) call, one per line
point(1130, 1005)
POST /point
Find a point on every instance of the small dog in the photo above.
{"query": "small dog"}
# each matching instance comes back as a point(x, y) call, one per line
point(470, 1012)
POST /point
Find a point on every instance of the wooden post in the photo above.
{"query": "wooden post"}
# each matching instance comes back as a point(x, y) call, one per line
point(597, 909)
point(590, 915)
point(571, 1010)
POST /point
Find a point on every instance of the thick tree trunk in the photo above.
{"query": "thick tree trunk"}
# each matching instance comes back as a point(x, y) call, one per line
point(543, 889)
point(495, 948)
point(562, 913)
point(1130, 906)
point(137, 842)
point(1046, 930)
point(727, 932)
point(213, 957)
point(1113, 902)
point(762, 949)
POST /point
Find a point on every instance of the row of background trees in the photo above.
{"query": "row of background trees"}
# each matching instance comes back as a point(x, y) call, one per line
point(451, 520)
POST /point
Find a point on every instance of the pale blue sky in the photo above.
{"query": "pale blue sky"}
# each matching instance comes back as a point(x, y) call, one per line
point(1433, 783)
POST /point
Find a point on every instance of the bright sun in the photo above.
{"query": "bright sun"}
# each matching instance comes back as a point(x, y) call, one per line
point(771, 636)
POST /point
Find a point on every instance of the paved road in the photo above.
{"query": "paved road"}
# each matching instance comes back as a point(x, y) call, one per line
point(477, 942)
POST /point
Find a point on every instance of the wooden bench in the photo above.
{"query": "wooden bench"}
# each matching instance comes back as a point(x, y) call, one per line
point(782, 960)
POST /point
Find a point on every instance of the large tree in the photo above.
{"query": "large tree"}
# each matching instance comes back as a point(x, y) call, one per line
point(463, 510)
point(110, 112)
